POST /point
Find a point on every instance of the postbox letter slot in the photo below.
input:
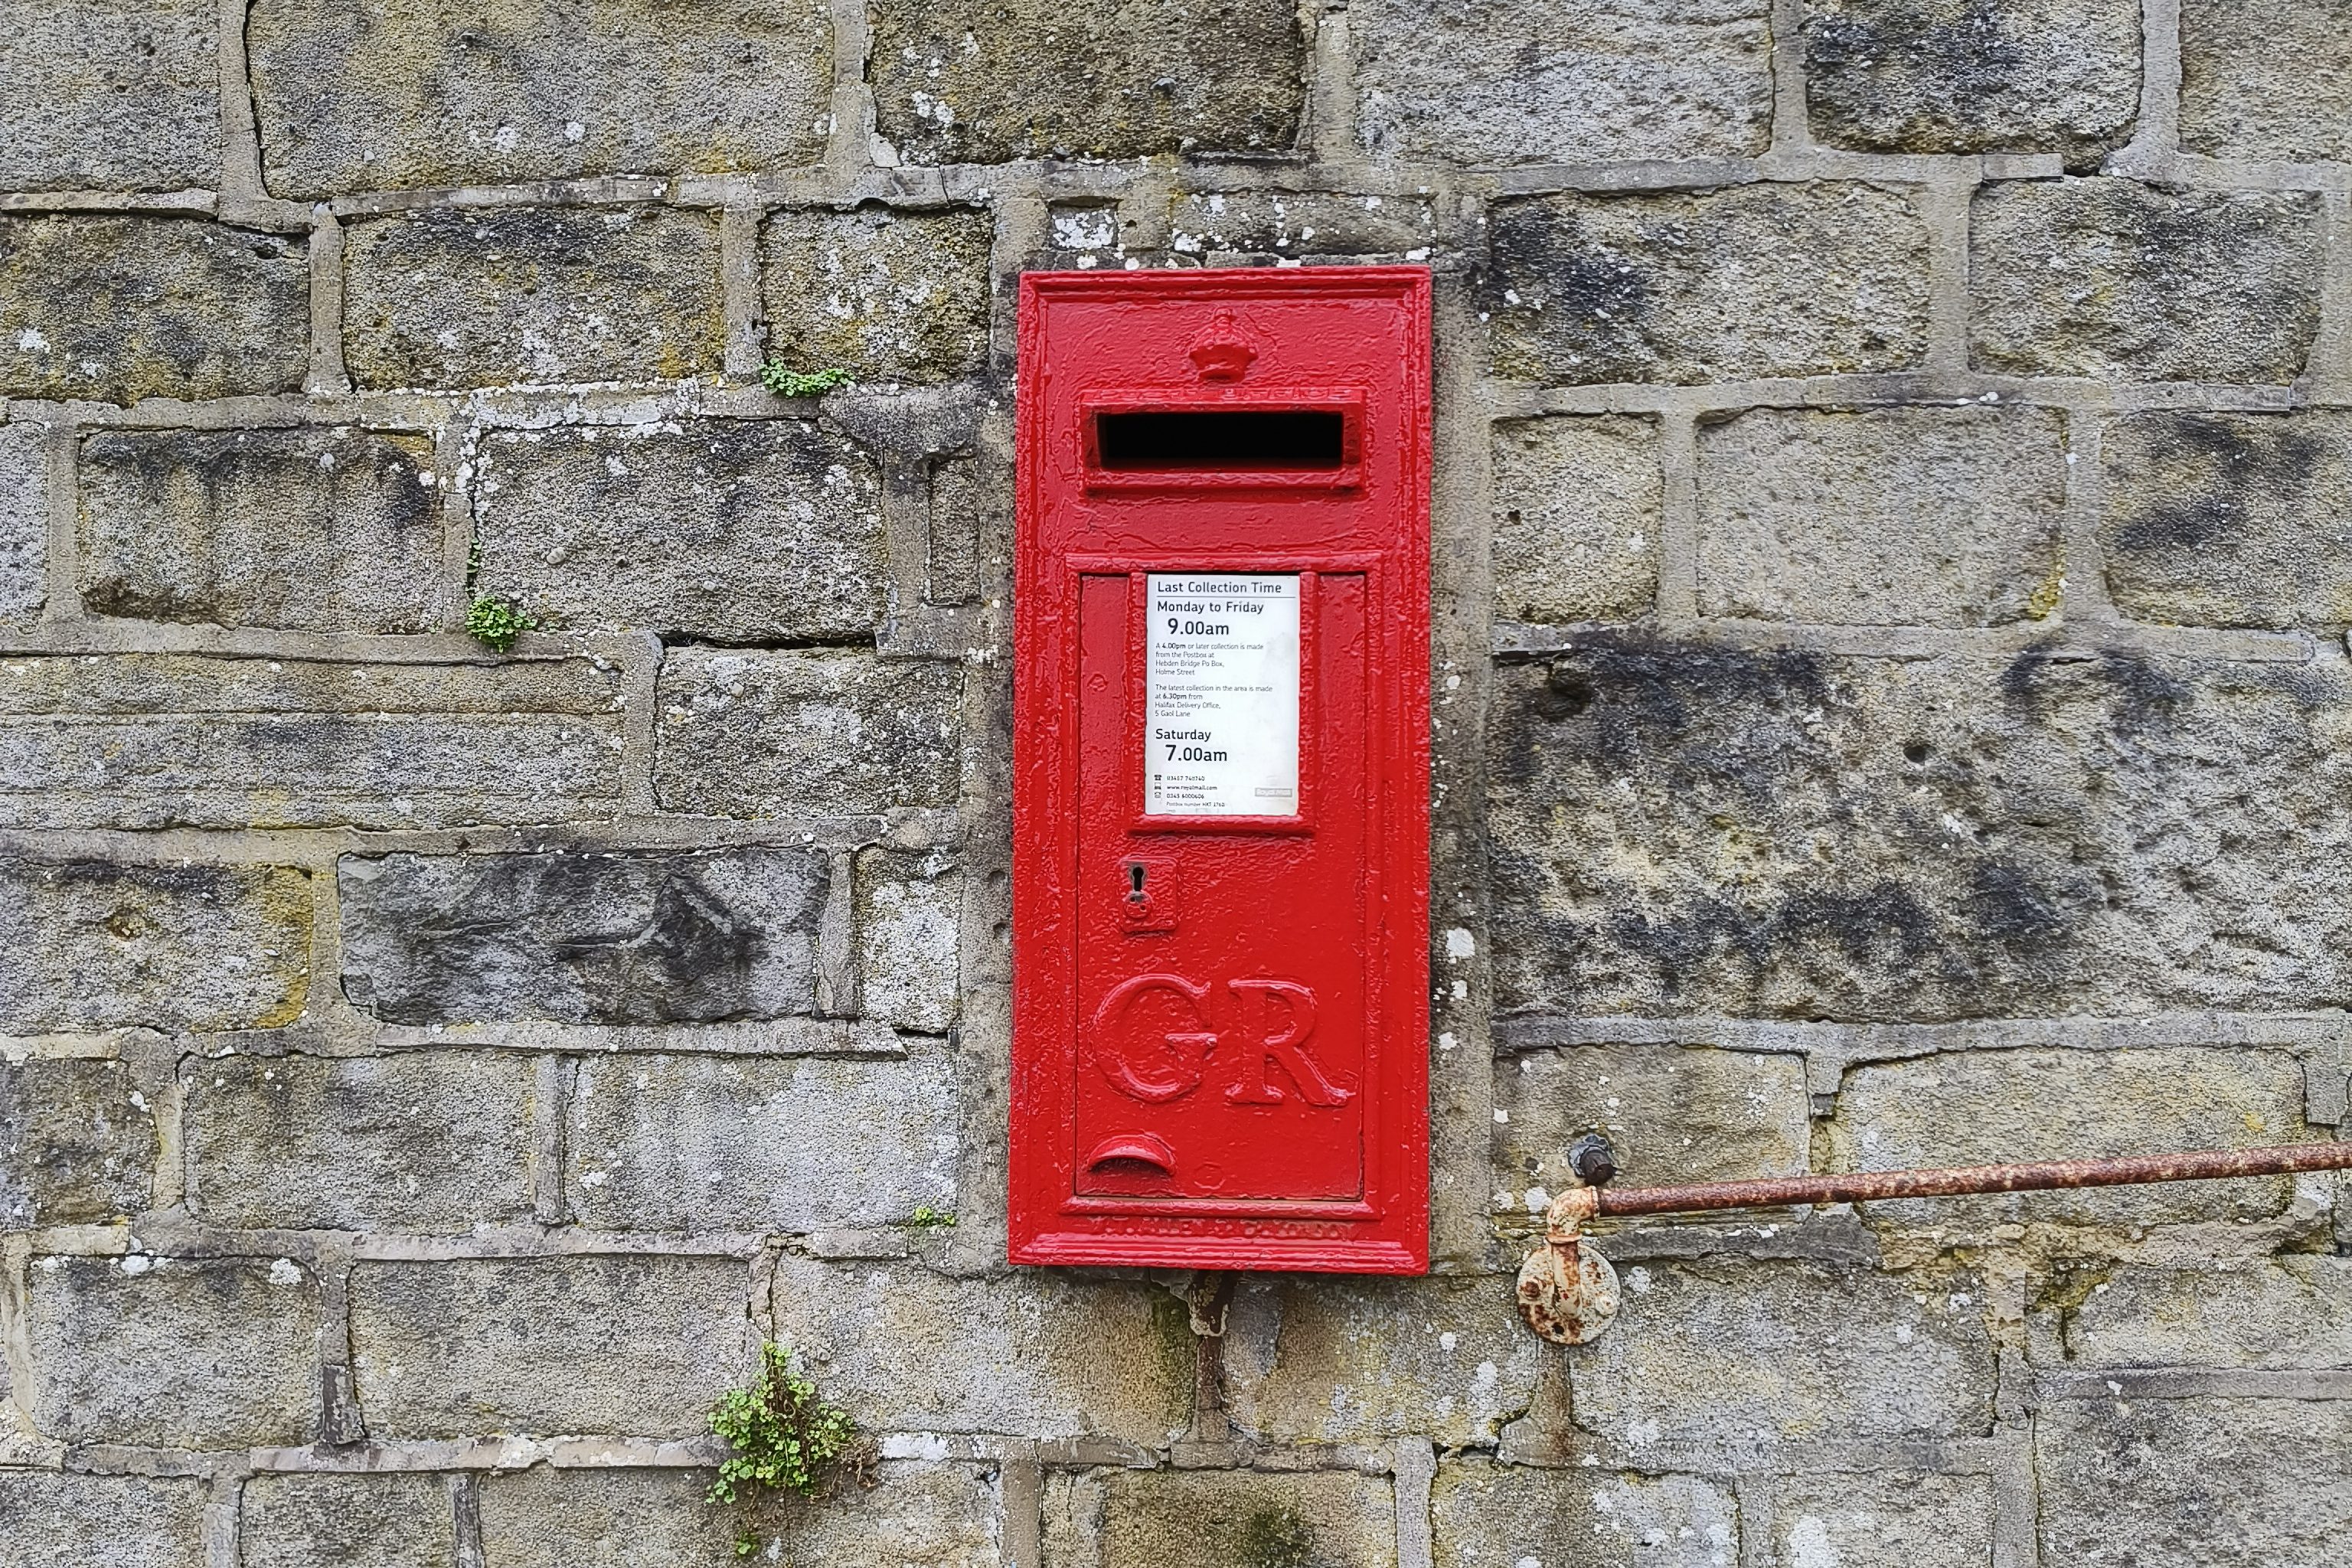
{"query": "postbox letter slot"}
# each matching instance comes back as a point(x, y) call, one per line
point(1206, 440)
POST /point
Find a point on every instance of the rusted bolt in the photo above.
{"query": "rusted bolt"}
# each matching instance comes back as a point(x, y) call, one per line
point(1592, 1159)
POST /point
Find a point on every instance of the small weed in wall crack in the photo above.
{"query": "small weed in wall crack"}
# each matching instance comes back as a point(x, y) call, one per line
point(785, 382)
point(492, 619)
point(788, 1444)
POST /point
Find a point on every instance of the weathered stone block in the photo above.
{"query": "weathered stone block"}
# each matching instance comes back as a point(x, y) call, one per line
point(918, 1514)
point(2265, 78)
point(594, 1343)
point(1043, 1354)
point(431, 92)
point(2230, 520)
point(1296, 224)
point(118, 309)
point(218, 1353)
point(2222, 1483)
point(459, 297)
point(645, 938)
point(1765, 279)
point(1578, 504)
point(1895, 1519)
point(1721, 1362)
point(730, 530)
point(887, 296)
point(23, 520)
point(544, 1517)
point(101, 947)
point(1688, 828)
point(1981, 1107)
point(437, 1140)
point(1562, 81)
point(970, 513)
point(1671, 1114)
point(77, 1143)
point(146, 740)
point(2284, 1313)
point(110, 95)
point(985, 81)
point(1973, 76)
point(317, 529)
point(908, 920)
point(814, 731)
point(1319, 1360)
point(51, 1519)
point(1892, 516)
point(319, 1521)
point(695, 1144)
point(1218, 1519)
point(1485, 1515)
point(2113, 277)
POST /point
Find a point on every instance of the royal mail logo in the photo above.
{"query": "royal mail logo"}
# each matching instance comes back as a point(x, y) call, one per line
point(1156, 1037)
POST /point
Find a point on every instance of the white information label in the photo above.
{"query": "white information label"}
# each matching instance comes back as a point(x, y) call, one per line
point(1221, 709)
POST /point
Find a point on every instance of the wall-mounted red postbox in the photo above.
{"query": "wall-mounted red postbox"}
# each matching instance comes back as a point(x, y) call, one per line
point(1221, 698)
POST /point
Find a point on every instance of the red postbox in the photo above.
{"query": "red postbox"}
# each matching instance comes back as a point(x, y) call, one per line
point(1220, 701)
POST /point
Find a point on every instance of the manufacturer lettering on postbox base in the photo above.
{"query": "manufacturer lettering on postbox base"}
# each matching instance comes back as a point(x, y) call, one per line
point(1221, 804)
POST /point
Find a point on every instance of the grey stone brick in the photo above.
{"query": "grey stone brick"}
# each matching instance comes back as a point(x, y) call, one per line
point(2113, 277)
point(642, 938)
point(1882, 517)
point(1041, 1353)
point(51, 1519)
point(77, 1143)
point(695, 1144)
point(431, 92)
point(1564, 81)
point(1298, 224)
point(2222, 1483)
point(2230, 520)
point(909, 915)
point(1217, 1519)
point(118, 309)
point(100, 946)
point(2278, 1313)
point(1975, 1108)
point(984, 81)
point(110, 95)
point(1676, 829)
point(542, 1517)
point(326, 1520)
point(1973, 76)
point(217, 1353)
point(1724, 1361)
point(1896, 1520)
point(729, 529)
point(23, 520)
point(971, 512)
point(1579, 503)
point(145, 740)
point(804, 731)
point(1315, 1359)
point(317, 529)
point(433, 1141)
point(1671, 1114)
point(1756, 280)
point(887, 296)
point(1485, 1515)
point(2265, 78)
point(918, 1515)
point(592, 1344)
point(523, 295)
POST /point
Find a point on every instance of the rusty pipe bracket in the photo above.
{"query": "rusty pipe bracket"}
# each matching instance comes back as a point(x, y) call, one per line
point(1568, 1292)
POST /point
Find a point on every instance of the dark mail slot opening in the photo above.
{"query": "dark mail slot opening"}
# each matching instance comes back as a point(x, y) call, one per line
point(1207, 440)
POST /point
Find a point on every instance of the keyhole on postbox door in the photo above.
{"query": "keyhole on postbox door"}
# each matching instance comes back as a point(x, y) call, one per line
point(1135, 881)
point(1148, 895)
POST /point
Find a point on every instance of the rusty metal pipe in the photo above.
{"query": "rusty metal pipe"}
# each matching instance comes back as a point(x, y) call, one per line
point(1866, 1186)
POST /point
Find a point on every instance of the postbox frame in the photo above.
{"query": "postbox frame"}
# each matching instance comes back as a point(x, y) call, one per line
point(1386, 1228)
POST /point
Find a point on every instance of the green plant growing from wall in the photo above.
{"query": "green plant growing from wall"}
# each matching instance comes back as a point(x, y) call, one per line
point(492, 619)
point(785, 382)
point(788, 1444)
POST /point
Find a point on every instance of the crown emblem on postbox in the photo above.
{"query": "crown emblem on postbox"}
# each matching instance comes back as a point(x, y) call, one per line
point(1224, 351)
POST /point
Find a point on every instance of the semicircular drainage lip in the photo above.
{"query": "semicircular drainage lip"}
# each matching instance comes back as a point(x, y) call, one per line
point(1132, 1155)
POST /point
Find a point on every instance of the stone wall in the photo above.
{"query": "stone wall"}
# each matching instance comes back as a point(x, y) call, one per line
point(1893, 552)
